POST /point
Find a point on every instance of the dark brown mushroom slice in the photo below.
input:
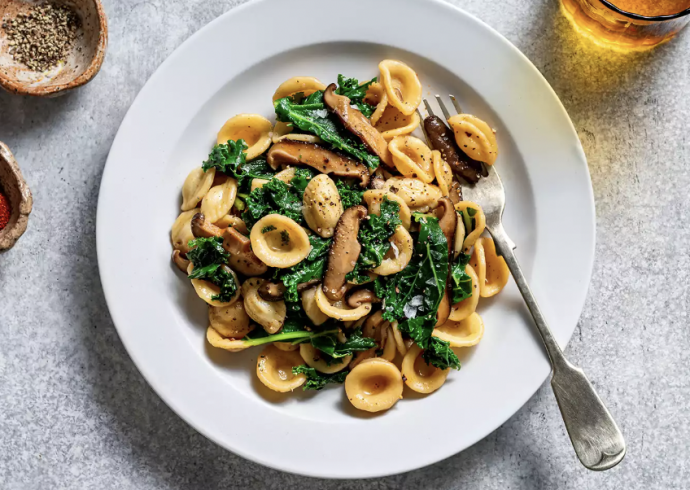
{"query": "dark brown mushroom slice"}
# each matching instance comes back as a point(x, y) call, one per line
point(303, 286)
point(377, 182)
point(447, 220)
point(343, 253)
point(180, 260)
point(357, 297)
point(358, 124)
point(203, 229)
point(442, 139)
point(242, 259)
point(272, 291)
point(288, 152)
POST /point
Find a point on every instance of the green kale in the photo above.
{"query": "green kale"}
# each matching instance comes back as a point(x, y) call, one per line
point(413, 295)
point(317, 380)
point(268, 228)
point(440, 355)
point(312, 117)
point(301, 180)
point(374, 234)
point(328, 344)
point(231, 159)
point(312, 267)
point(208, 257)
point(350, 194)
point(274, 197)
point(461, 282)
point(350, 88)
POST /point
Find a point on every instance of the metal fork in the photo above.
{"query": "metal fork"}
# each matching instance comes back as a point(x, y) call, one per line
point(597, 440)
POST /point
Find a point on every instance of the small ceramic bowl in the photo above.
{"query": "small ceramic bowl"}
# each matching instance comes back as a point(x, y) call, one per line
point(82, 64)
point(13, 186)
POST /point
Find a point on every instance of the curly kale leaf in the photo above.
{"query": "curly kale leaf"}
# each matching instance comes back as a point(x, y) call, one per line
point(374, 234)
point(461, 282)
point(317, 380)
point(412, 296)
point(440, 355)
point(350, 194)
point(312, 267)
point(208, 256)
point(231, 159)
point(350, 88)
point(329, 344)
point(311, 116)
point(277, 197)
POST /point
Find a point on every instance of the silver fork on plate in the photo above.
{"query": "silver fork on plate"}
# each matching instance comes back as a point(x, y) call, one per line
point(597, 440)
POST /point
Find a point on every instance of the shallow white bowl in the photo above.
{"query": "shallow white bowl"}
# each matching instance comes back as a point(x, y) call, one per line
point(233, 66)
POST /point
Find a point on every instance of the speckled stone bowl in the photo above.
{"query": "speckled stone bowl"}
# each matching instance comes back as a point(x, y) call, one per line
point(83, 63)
point(13, 185)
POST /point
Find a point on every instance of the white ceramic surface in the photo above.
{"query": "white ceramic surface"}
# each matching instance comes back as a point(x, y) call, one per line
point(233, 66)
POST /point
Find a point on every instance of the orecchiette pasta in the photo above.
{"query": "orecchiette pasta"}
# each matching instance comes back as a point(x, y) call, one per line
point(181, 232)
point(217, 340)
point(374, 385)
point(338, 310)
point(463, 309)
point(295, 85)
point(473, 222)
point(376, 96)
point(322, 206)
point(389, 348)
point(474, 137)
point(420, 376)
point(412, 158)
point(285, 175)
point(274, 369)
point(414, 192)
point(207, 290)
point(465, 333)
point(312, 310)
point(286, 346)
point(195, 187)
point(492, 270)
point(402, 85)
point(374, 198)
point(230, 321)
point(443, 172)
point(399, 255)
point(279, 242)
point(268, 314)
point(219, 200)
point(392, 123)
point(283, 131)
point(230, 221)
point(313, 358)
point(254, 129)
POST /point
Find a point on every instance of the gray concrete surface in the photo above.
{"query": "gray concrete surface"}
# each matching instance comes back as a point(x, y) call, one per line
point(75, 413)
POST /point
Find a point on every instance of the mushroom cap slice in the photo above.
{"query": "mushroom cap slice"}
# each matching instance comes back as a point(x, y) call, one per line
point(242, 259)
point(343, 253)
point(202, 228)
point(319, 158)
point(358, 124)
point(442, 139)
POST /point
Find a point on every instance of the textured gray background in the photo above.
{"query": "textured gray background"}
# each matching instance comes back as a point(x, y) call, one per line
point(75, 413)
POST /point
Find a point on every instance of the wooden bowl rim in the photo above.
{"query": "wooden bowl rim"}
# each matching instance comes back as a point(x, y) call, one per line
point(19, 219)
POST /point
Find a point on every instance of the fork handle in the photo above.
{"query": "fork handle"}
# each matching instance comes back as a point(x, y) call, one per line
point(597, 440)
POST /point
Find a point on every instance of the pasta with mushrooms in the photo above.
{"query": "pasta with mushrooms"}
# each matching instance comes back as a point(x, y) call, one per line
point(334, 236)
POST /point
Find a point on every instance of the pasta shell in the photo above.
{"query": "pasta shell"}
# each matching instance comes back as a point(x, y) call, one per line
point(274, 369)
point(295, 85)
point(412, 158)
point(268, 314)
point(374, 198)
point(279, 241)
point(420, 376)
point(374, 385)
point(414, 192)
point(207, 290)
point(399, 255)
point(217, 340)
point(254, 129)
point(443, 172)
point(219, 200)
point(313, 358)
point(492, 270)
point(312, 310)
point(376, 96)
point(479, 218)
point(196, 186)
point(322, 206)
point(181, 233)
point(230, 321)
point(402, 86)
point(392, 123)
point(463, 309)
point(465, 333)
point(338, 310)
point(474, 137)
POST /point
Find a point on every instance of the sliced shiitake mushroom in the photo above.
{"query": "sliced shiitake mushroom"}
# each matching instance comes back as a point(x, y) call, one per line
point(319, 158)
point(242, 259)
point(359, 296)
point(358, 124)
point(343, 253)
point(442, 139)
point(272, 291)
point(203, 229)
point(180, 260)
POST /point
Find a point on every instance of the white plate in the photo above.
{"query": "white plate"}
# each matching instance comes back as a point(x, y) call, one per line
point(234, 65)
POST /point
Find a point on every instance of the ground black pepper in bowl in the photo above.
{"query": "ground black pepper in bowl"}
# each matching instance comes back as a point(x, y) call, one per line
point(43, 37)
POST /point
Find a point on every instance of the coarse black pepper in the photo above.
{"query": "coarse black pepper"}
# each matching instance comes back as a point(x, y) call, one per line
point(42, 37)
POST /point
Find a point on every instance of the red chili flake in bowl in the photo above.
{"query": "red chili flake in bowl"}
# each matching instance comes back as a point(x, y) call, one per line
point(5, 211)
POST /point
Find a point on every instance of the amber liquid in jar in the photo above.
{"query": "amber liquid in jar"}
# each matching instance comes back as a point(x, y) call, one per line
point(612, 29)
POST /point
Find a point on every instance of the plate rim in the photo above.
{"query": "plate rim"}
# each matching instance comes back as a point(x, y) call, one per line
point(111, 300)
